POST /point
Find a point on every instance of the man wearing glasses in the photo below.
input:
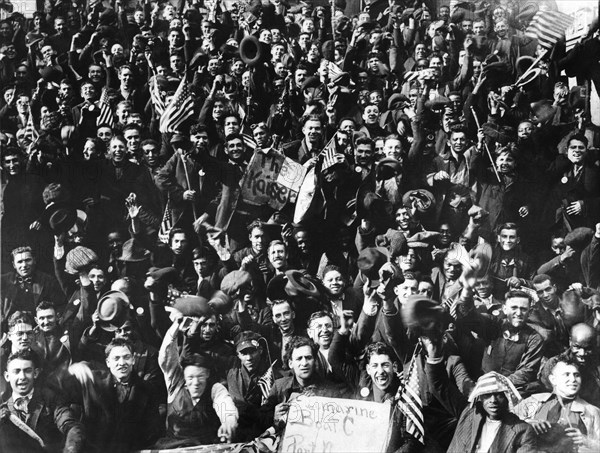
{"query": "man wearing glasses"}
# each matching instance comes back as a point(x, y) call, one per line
point(19, 338)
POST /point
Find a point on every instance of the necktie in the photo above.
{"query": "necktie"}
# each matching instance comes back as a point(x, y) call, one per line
point(22, 408)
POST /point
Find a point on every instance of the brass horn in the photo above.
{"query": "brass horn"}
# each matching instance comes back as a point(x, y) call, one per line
point(251, 51)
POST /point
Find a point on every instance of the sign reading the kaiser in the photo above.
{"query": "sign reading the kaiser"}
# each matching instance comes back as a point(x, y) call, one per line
point(334, 425)
point(259, 185)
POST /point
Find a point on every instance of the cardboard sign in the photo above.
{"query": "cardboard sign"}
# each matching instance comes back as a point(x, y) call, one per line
point(259, 185)
point(336, 425)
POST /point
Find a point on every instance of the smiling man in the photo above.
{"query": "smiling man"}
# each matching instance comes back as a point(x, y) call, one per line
point(561, 419)
point(320, 330)
point(32, 407)
point(514, 349)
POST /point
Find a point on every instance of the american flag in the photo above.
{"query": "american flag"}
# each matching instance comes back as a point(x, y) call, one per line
point(180, 108)
point(249, 141)
point(409, 400)
point(265, 382)
point(549, 27)
point(331, 156)
point(30, 129)
point(166, 224)
point(157, 101)
point(106, 115)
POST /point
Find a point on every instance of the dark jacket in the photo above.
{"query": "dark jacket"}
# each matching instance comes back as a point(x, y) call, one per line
point(130, 425)
point(514, 436)
point(51, 419)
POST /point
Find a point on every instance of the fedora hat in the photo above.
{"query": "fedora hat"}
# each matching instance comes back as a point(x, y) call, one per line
point(369, 262)
point(113, 310)
point(420, 312)
point(387, 168)
point(62, 219)
point(299, 285)
point(133, 252)
point(371, 206)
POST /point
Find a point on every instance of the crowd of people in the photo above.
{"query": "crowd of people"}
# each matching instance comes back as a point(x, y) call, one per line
point(439, 251)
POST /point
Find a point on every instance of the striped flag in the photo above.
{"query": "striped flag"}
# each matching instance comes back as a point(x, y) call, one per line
point(106, 115)
point(30, 130)
point(180, 108)
point(409, 400)
point(549, 27)
point(157, 101)
point(249, 141)
point(265, 382)
point(166, 224)
point(330, 155)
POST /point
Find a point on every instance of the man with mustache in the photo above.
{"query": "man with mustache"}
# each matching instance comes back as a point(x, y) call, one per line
point(300, 355)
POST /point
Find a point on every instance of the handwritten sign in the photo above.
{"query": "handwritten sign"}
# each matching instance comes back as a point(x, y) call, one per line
point(259, 185)
point(291, 176)
point(333, 425)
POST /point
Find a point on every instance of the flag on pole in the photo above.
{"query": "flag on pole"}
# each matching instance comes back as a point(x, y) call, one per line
point(330, 155)
point(549, 27)
point(166, 224)
point(157, 101)
point(409, 400)
point(249, 141)
point(30, 129)
point(106, 115)
point(180, 108)
point(265, 382)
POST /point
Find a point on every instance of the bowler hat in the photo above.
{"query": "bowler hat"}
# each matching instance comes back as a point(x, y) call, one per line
point(133, 252)
point(235, 280)
point(193, 306)
point(62, 220)
point(79, 258)
point(113, 310)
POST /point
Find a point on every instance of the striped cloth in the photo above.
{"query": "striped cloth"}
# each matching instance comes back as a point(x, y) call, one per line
point(159, 104)
point(166, 224)
point(30, 130)
point(451, 304)
point(494, 382)
point(549, 27)
point(180, 108)
point(330, 155)
point(409, 400)
point(106, 115)
point(265, 382)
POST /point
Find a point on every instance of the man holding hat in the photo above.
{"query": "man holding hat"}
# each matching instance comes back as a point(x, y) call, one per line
point(249, 381)
point(200, 410)
point(25, 287)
